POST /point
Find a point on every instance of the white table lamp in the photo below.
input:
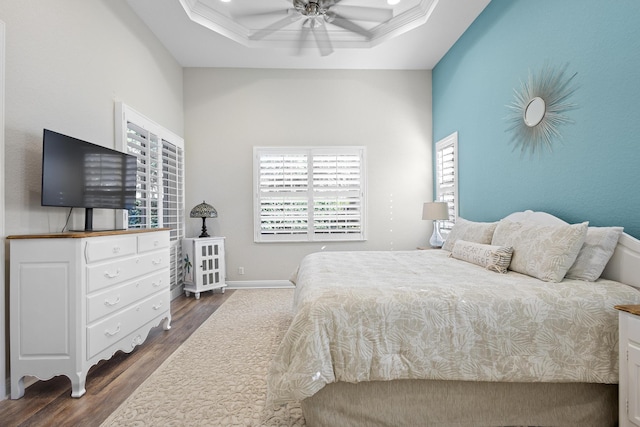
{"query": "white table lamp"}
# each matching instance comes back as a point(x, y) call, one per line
point(436, 212)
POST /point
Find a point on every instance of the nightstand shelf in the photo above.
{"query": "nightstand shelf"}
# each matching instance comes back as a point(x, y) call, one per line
point(204, 265)
point(629, 341)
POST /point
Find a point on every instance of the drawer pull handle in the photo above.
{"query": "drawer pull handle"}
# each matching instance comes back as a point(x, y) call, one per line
point(111, 304)
point(116, 249)
point(156, 243)
point(154, 262)
point(112, 275)
point(158, 306)
point(110, 334)
point(157, 284)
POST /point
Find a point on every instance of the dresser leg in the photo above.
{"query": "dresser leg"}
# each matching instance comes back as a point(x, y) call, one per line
point(17, 388)
point(77, 385)
point(166, 324)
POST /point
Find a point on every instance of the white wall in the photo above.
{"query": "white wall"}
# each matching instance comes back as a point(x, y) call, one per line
point(228, 111)
point(67, 62)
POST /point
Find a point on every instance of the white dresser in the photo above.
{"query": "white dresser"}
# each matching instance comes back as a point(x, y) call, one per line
point(77, 298)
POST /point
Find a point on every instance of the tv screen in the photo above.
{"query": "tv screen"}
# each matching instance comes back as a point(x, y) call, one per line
point(77, 173)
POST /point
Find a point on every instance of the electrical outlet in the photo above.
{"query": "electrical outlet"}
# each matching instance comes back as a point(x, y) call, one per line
point(240, 270)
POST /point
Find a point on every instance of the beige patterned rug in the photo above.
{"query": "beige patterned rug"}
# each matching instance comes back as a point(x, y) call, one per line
point(218, 376)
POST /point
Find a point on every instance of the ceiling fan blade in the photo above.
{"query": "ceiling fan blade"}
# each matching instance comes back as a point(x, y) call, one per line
point(272, 28)
point(363, 13)
point(319, 30)
point(299, 4)
point(304, 35)
point(341, 22)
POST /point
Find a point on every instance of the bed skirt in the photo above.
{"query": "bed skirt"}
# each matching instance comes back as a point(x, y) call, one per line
point(462, 404)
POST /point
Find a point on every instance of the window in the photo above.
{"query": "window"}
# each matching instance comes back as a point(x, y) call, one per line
point(447, 177)
point(160, 179)
point(309, 194)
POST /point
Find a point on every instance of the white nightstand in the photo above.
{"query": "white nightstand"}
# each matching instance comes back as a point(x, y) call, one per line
point(629, 382)
point(203, 261)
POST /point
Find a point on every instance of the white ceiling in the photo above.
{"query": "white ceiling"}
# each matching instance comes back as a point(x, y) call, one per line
point(212, 33)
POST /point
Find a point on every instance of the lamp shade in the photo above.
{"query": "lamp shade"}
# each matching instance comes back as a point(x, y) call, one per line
point(435, 211)
point(203, 210)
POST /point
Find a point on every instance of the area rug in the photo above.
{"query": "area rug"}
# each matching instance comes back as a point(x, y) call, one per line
point(218, 376)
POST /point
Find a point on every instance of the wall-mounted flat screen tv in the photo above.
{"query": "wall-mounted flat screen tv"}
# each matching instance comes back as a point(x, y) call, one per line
point(79, 174)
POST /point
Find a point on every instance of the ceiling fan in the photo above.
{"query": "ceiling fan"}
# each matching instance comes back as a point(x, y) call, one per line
point(316, 14)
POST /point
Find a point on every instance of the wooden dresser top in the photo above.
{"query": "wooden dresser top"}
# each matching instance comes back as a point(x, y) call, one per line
point(82, 234)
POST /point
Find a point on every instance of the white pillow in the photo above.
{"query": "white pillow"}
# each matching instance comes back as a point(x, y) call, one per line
point(478, 232)
point(542, 251)
point(595, 253)
point(494, 258)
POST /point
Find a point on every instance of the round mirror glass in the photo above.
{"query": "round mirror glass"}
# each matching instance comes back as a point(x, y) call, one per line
point(534, 112)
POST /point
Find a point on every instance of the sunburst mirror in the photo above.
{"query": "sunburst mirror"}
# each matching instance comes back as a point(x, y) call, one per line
point(538, 109)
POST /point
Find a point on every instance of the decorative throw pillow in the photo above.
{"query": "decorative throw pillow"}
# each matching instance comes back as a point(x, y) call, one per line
point(595, 253)
point(478, 232)
point(542, 251)
point(494, 258)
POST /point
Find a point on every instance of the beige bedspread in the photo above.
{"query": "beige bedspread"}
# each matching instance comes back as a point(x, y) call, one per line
point(364, 316)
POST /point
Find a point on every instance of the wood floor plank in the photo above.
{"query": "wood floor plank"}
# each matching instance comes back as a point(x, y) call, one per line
point(110, 382)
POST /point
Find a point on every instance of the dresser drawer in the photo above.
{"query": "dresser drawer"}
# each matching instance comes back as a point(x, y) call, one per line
point(100, 276)
point(109, 331)
point(115, 298)
point(153, 241)
point(113, 247)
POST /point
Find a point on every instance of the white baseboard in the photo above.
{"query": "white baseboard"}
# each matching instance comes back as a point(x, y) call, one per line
point(259, 284)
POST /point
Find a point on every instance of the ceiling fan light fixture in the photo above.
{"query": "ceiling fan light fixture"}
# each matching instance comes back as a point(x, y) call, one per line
point(312, 9)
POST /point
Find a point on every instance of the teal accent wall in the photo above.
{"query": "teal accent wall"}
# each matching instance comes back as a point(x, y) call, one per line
point(593, 172)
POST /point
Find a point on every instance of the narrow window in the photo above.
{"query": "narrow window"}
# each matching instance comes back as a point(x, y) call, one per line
point(447, 177)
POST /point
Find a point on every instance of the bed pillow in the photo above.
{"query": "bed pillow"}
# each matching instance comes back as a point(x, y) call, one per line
point(494, 258)
point(595, 253)
point(478, 232)
point(542, 251)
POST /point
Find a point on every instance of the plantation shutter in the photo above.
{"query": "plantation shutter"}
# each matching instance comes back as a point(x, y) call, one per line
point(446, 177)
point(160, 181)
point(145, 146)
point(309, 194)
point(173, 205)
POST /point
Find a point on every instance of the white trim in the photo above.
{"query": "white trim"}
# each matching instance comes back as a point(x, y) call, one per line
point(259, 284)
point(3, 338)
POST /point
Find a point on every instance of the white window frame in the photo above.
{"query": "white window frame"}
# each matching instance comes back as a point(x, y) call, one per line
point(300, 191)
point(167, 188)
point(446, 178)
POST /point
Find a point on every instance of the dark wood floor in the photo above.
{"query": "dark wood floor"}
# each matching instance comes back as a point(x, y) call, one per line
point(109, 383)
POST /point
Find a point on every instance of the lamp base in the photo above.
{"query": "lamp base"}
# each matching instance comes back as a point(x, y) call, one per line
point(436, 240)
point(204, 229)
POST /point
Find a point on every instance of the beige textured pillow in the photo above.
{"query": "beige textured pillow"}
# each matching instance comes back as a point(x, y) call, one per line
point(478, 232)
point(542, 251)
point(595, 253)
point(494, 258)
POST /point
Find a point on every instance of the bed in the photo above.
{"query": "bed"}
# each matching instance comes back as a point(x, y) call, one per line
point(451, 338)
